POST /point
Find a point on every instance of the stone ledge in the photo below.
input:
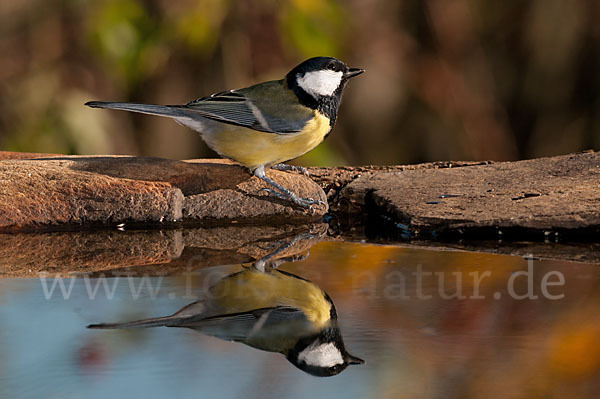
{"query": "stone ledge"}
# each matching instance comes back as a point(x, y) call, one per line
point(545, 194)
point(61, 191)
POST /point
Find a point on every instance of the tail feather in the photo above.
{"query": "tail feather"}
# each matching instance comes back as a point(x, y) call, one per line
point(168, 321)
point(162, 110)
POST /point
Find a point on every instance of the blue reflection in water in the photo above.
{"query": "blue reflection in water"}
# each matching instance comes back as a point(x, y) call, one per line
point(48, 352)
point(417, 346)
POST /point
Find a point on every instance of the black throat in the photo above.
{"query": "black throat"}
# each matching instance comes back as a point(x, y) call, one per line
point(327, 105)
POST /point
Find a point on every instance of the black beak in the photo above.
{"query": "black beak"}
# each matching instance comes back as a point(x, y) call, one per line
point(353, 359)
point(352, 72)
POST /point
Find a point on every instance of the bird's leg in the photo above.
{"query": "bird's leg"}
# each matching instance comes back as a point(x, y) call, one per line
point(267, 262)
point(286, 168)
point(283, 193)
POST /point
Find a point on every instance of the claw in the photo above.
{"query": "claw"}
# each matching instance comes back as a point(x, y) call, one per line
point(304, 171)
point(303, 202)
point(314, 201)
point(286, 168)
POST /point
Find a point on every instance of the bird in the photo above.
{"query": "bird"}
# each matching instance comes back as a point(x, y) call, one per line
point(268, 309)
point(264, 125)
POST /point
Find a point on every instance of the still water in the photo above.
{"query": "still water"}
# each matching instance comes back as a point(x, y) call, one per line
point(427, 323)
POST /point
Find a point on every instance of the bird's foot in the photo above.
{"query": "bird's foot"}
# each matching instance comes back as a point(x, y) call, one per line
point(293, 168)
point(278, 191)
point(271, 262)
point(305, 203)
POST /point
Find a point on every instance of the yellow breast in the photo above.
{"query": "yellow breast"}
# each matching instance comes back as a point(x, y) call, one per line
point(252, 148)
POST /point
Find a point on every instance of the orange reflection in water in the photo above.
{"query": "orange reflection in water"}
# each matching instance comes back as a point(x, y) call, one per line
point(442, 328)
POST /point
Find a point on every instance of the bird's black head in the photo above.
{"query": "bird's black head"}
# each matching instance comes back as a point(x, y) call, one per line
point(323, 354)
point(318, 83)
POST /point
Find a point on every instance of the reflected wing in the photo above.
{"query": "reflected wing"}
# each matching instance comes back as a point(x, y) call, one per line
point(241, 326)
point(266, 107)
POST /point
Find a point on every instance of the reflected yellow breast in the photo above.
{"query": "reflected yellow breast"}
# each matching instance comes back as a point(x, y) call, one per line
point(250, 290)
point(252, 148)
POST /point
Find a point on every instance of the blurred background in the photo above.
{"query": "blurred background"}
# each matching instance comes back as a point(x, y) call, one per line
point(446, 79)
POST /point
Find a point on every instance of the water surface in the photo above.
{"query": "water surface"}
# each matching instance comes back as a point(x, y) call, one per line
point(429, 324)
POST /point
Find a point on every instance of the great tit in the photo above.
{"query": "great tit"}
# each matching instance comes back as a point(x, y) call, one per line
point(263, 125)
point(270, 310)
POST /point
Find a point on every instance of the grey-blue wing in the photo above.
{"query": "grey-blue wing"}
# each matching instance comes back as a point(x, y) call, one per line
point(266, 107)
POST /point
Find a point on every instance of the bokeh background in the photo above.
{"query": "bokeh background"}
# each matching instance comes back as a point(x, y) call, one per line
point(446, 79)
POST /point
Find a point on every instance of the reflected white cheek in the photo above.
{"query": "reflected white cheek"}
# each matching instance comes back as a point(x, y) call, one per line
point(323, 355)
point(320, 83)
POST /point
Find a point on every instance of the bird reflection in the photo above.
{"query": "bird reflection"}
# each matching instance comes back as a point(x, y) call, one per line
point(268, 309)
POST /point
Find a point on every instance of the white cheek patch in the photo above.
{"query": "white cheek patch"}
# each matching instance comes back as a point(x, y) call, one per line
point(323, 355)
point(320, 83)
